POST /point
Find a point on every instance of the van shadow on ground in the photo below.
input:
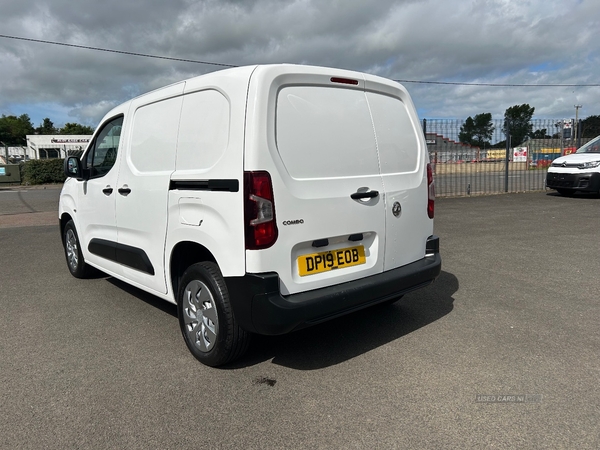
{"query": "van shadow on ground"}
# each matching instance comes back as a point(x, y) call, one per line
point(341, 339)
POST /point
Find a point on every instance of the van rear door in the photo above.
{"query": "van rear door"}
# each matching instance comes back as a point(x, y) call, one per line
point(323, 161)
point(403, 161)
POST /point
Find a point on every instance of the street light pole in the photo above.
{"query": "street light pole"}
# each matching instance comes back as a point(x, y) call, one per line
point(576, 122)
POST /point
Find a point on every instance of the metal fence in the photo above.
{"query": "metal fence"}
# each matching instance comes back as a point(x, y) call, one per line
point(490, 164)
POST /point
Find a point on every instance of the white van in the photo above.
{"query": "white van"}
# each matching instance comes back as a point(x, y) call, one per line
point(579, 171)
point(259, 199)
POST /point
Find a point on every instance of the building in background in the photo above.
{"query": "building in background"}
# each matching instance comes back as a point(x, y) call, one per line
point(445, 150)
point(52, 146)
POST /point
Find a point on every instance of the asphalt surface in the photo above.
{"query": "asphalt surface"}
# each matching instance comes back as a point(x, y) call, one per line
point(28, 206)
point(501, 352)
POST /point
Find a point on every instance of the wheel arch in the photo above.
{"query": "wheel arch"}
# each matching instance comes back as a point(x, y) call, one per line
point(183, 255)
point(64, 219)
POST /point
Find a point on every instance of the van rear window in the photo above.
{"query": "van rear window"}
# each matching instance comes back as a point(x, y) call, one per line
point(324, 132)
point(397, 141)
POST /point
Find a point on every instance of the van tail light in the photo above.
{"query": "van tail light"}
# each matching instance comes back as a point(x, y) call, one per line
point(430, 192)
point(259, 211)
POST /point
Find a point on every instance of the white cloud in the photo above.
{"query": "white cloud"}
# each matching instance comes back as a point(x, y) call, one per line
point(486, 41)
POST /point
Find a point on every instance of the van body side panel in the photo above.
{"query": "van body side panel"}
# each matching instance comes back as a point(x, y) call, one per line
point(94, 211)
point(206, 194)
point(143, 185)
point(95, 217)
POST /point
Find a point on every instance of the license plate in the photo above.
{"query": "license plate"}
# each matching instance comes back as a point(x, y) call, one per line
point(334, 259)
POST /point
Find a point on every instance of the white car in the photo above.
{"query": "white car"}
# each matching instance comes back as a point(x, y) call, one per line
point(579, 171)
point(259, 199)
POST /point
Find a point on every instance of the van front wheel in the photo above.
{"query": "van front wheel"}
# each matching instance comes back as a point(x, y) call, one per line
point(205, 316)
point(75, 261)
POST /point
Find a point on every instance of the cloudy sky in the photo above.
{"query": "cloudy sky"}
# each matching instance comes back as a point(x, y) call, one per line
point(506, 42)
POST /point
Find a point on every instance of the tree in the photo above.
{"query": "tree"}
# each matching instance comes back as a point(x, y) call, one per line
point(540, 134)
point(13, 129)
point(517, 122)
point(590, 127)
point(47, 127)
point(467, 130)
point(477, 131)
point(75, 128)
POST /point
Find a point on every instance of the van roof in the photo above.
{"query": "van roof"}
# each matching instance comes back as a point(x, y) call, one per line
point(243, 73)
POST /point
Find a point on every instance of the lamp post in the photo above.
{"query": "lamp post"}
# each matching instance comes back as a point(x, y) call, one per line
point(576, 122)
point(562, 139)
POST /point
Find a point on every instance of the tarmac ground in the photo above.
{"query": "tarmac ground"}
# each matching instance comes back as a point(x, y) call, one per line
point(502, 351)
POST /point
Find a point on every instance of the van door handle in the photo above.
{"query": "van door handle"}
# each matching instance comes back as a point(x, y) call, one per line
point(124, 190)
point(361, 195)
point(107, 190)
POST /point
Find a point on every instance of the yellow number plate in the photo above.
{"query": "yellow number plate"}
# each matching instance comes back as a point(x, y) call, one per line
point(331, 260)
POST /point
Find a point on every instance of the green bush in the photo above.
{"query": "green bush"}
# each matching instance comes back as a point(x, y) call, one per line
point(43, 171)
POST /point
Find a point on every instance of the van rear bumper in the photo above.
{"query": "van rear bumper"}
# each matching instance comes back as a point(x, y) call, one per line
point(259, 306)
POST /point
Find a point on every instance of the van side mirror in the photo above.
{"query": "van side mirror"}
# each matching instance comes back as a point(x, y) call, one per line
point(73, 167)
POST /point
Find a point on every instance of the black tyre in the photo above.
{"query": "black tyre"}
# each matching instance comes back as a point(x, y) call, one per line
point(205, 316)
point(75, 261)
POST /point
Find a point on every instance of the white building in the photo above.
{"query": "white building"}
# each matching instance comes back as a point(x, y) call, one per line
point(52, 146)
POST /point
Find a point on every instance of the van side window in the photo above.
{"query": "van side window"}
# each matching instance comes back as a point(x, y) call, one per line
point(154, 136)
point(203, 130)
point(103, 152)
